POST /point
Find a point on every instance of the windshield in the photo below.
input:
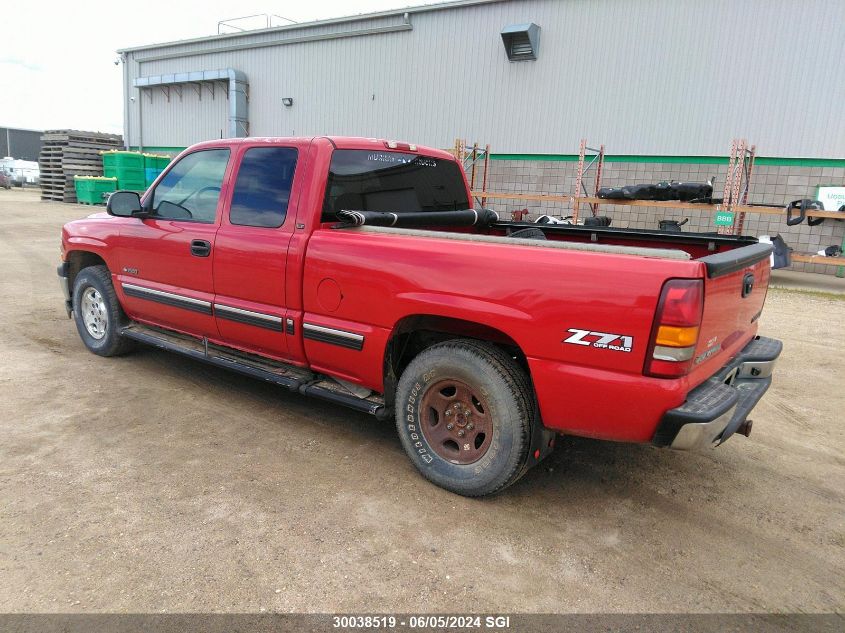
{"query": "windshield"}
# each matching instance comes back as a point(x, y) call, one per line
point(365, 180)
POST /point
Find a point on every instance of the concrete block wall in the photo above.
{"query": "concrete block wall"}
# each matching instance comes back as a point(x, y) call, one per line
point(770, 184)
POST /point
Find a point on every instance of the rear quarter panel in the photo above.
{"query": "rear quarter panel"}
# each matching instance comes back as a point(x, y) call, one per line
point(533, 295)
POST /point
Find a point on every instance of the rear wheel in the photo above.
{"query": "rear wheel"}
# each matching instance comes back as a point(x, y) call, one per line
point(465, 412)
point(98, 314)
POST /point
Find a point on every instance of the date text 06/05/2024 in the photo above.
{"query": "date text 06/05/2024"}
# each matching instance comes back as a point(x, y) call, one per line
point(420, 622)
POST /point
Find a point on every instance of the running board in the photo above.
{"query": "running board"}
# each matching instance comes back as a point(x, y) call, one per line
point(328, 389)
point(282, 374)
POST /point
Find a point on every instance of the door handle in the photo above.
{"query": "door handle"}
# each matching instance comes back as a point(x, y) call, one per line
point(200, 248)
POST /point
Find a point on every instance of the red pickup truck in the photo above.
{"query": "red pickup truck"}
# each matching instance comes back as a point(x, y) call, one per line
point(359, 271)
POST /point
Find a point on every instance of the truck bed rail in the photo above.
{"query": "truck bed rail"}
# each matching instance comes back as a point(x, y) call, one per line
point(661, 253)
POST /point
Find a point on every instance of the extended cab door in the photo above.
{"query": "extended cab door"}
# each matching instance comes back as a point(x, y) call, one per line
point(165, 274)
point(251, 249)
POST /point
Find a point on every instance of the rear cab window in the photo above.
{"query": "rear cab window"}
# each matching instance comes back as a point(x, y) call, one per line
point(367, 180)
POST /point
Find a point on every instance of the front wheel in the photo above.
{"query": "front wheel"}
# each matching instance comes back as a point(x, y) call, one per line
point(465, 413)
point(98, 314)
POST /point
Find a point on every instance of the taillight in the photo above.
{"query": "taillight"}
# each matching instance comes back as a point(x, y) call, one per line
point(676, 326)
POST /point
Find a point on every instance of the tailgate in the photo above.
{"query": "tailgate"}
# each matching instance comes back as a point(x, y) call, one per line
point(735, 286)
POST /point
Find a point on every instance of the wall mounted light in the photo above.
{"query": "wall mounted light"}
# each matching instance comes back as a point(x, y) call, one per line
point(287, 101)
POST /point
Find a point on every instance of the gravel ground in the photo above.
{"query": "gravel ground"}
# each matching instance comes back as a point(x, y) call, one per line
point(154, 483)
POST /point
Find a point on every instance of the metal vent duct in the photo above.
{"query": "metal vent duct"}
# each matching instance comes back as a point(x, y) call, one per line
point(238, 91)
point(522, 41)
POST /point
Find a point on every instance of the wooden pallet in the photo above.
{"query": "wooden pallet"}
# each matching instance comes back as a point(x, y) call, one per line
point(68, 153)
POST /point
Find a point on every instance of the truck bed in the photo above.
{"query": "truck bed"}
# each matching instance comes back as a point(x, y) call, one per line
point(696, 245)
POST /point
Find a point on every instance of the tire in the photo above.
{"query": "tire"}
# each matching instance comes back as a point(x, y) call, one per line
point(98, 314)
point(432, 393)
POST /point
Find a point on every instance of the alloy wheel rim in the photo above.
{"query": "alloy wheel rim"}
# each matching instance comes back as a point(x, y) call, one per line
point(94, 313)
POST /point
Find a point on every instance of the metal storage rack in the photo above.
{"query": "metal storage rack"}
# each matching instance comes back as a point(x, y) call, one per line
point(734, 200)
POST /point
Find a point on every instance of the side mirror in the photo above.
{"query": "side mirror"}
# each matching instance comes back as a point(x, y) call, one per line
point(125, 204)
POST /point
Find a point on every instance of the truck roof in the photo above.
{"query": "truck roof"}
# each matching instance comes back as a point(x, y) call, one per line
point(340, 142)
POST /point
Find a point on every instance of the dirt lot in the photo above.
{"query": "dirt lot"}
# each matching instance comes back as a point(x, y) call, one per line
point(154, 483)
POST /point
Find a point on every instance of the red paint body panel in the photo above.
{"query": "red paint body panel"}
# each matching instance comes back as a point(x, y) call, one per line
point(603, 403)
point(98, 234)
point(160, 250)
point(366, 283)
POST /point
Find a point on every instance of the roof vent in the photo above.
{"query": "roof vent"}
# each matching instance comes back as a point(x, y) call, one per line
point(521, 41)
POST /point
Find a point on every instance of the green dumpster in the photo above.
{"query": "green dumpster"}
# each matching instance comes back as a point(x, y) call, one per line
point(92, 189)
point(127, 167)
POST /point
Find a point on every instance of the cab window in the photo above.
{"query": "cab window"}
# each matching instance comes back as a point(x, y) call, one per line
point(191, 188)
point(262, 189)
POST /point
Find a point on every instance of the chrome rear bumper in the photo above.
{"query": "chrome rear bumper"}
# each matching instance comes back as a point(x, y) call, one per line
point(719, 407)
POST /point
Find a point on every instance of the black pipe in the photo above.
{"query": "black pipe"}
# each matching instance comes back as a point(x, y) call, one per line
point(468, 217)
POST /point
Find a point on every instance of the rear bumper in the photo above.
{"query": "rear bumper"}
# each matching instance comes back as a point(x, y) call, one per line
point(719, 407)
point(63, 271)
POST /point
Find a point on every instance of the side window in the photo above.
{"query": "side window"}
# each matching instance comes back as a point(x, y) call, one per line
point(262, 190)
point(191, 188)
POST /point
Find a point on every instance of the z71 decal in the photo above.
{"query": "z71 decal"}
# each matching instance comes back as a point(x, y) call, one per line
point(601, 340)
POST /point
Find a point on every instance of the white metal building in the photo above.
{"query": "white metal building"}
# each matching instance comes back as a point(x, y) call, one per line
point(646, 77)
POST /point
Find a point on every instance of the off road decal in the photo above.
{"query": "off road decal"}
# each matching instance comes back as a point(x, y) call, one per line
point(601, 340)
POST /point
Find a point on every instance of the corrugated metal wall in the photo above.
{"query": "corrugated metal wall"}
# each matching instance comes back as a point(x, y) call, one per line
point(661, 77)
point(182, 120)
point(20, 144)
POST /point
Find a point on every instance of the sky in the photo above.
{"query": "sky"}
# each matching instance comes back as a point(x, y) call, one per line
point(57, 58)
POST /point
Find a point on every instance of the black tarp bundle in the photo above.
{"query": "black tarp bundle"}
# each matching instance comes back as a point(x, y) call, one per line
point(684, 191)
point(782, 252)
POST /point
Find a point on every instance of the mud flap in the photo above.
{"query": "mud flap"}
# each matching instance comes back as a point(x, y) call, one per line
point(542, 443)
